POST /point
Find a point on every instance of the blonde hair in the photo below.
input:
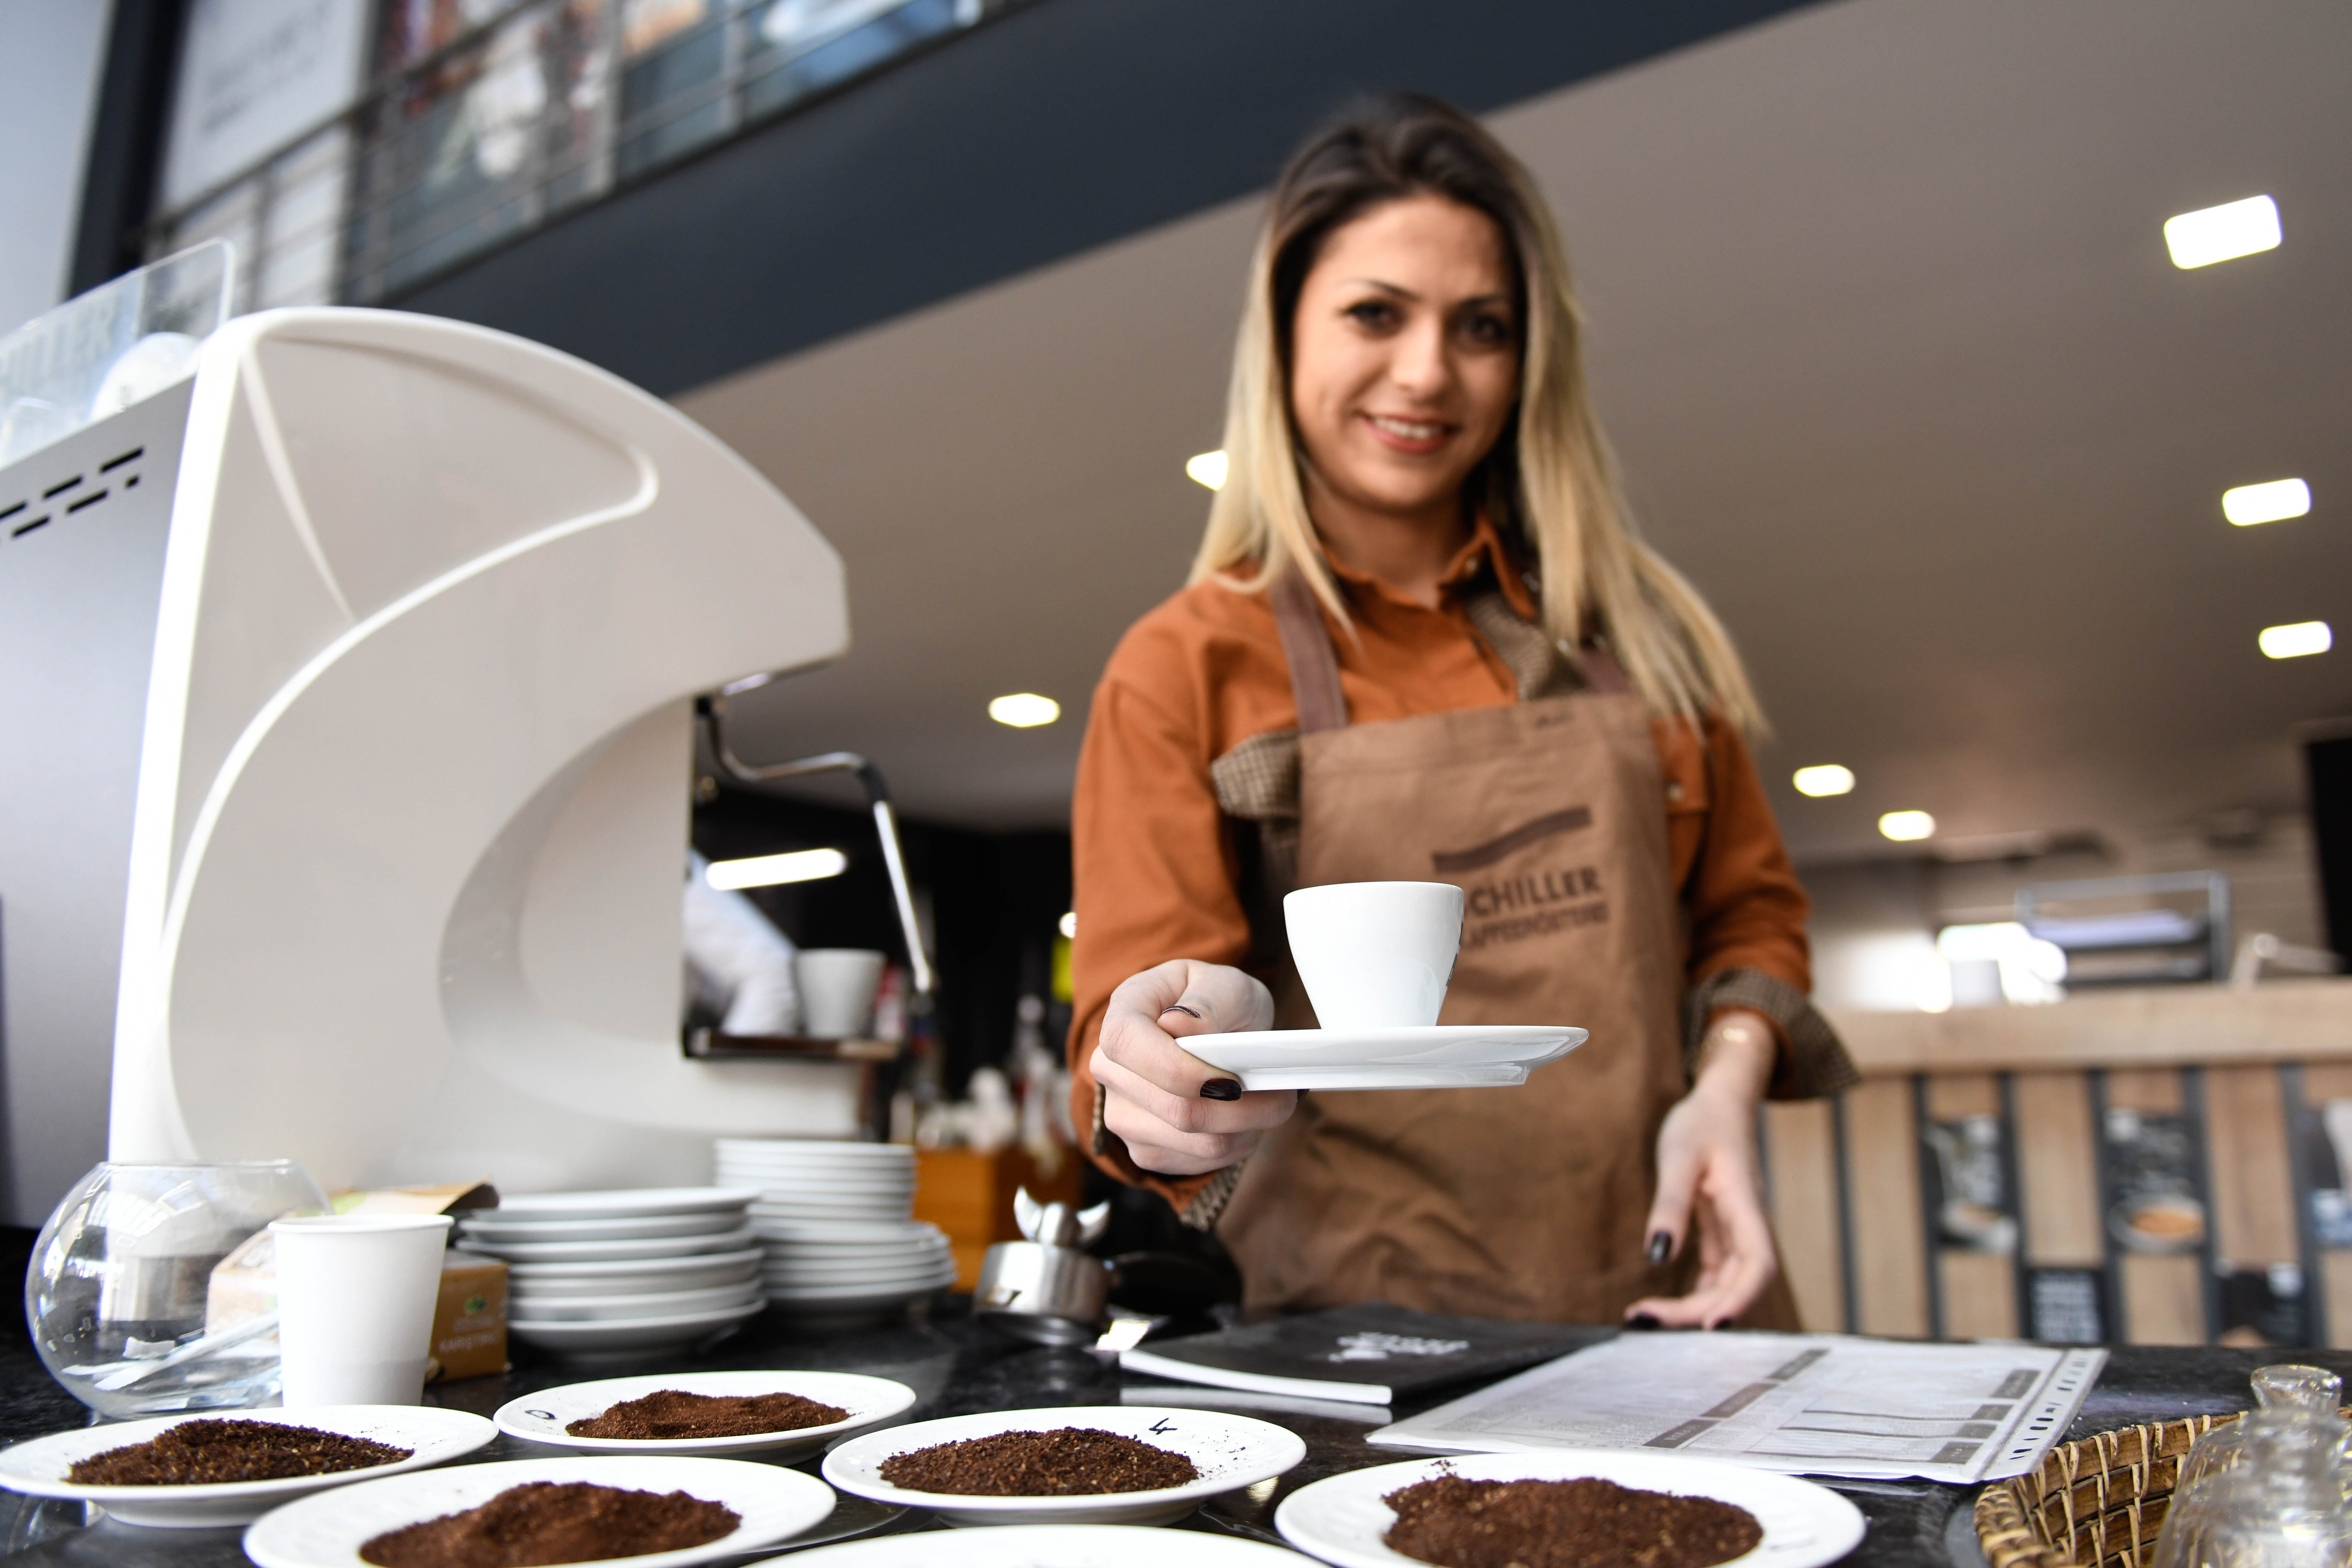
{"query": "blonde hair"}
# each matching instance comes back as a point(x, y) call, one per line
point(1550, 480)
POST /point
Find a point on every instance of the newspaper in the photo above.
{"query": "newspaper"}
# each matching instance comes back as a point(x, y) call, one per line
point(1823, 1405)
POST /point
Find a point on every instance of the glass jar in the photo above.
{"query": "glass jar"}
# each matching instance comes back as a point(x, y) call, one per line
point(2306, 1394)
point(121, 1283)
point(2280, 1504)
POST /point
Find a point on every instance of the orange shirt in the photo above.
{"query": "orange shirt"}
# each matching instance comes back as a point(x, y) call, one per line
point(1155, 859)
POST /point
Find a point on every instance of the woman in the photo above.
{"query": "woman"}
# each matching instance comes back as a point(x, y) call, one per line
point(1419, 643)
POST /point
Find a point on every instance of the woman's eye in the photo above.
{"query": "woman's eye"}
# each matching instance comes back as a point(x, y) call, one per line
point(1374, 313)
point(1487, 331)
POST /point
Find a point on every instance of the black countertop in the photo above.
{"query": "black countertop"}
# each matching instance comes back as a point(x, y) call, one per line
point(958, 1367)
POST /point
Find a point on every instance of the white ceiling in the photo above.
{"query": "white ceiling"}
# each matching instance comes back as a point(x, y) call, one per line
point(1884, 328)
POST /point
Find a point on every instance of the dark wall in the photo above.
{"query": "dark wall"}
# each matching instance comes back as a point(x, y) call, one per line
point(995, 902)
point(1060, 127)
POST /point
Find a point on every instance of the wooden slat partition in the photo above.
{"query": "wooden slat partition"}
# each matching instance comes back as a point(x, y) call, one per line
point(1873, 1254)
point(1800, 1145)
point(2057, 1158)
point(1890, 1264)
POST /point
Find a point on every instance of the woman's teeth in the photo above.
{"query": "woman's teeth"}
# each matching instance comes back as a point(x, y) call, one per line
point(1406, 429)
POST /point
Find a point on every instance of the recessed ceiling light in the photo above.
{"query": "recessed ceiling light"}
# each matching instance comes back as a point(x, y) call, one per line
point(2274, 502)
point(773, 871)
point(2217, 234)
point(1906, 826)
point(1827, 779)
point(2297, 640)
point(1024, 709)
point(1208, 468)
point(1069, 926)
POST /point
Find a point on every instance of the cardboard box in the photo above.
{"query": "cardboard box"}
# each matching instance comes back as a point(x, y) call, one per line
point(469, 1322)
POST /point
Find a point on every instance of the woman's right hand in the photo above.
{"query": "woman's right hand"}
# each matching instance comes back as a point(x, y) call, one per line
point(1180, 1116)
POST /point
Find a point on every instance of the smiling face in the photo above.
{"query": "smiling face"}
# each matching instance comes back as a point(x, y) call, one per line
point(1404, 358)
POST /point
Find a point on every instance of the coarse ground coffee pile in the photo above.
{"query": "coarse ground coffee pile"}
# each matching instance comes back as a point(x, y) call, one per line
point(1585, 1523)
point(551, 1522)
point(672, 1413)
point(1070, 1461)
point(211, 1453)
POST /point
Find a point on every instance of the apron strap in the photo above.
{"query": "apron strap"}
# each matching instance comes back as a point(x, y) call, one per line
point(1307, 648)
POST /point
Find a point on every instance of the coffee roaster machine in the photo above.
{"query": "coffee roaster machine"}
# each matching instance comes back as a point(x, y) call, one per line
point(348, 671)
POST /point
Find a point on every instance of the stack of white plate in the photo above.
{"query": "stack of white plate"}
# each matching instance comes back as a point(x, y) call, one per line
point(832, 1222)
point(635, 1269)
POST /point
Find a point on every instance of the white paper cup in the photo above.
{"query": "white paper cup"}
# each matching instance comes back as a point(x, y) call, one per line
point(1375, 955)
point(355, 1299)
point(837, 986)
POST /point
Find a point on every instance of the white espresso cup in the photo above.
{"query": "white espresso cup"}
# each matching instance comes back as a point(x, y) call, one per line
point(1375, 955)
point(836, 987)
point(355, 1299)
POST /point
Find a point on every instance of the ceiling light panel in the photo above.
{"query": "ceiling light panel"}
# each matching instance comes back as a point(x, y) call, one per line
point(775, 870)
point(1207, 468)
point(1905, 826)
point(2295, 641)
point(1828, 778)
point(1024, 709)
point(2274, 502)
point(2218, 234)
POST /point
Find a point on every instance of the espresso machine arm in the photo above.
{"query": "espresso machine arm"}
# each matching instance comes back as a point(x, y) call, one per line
point(712, 712)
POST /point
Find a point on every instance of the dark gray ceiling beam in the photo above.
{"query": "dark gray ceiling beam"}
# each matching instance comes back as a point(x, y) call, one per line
point(1061, 127)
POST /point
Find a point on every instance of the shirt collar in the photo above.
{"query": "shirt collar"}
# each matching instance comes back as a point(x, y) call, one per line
point(1483, 548)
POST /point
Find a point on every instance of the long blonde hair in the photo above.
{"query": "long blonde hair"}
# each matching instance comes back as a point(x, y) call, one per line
point(1550, 485)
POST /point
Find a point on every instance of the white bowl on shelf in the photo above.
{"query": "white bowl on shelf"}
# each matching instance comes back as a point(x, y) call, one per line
point(627, 1203)
point(608, 1251)
point(669, 1331)
point(658, 1228)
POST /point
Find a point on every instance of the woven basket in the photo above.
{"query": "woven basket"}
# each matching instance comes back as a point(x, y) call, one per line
point(2096, 1504)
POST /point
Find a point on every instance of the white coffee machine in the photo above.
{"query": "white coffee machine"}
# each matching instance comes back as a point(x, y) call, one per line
point(347, 696)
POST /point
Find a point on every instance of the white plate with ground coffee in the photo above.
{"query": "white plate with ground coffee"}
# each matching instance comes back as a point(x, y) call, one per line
point(1344, 1519)
point(544, 1418)
point(1444, 1056)
point(770, 1503)
point(1221, 1452)
point(433, 1436)
point(1051, 1546)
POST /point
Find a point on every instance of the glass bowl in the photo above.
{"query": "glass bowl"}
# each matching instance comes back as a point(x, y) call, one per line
point(121, 1283)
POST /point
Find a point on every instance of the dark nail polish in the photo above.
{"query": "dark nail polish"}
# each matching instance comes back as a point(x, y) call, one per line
point(1662, 1245)
point(1642, 1320)
point(1719, 1323)
point(1222, 1088)
point(1178, 1007)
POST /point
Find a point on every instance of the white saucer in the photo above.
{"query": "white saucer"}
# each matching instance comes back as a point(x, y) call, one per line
point(1445, 1056)
point(607, 1251)
point(625, 1203)
point(1052, 1546)
point(1228, 1451)
point(39, 1468)
point(1341, 1519)
point(631, 1333)
point(616, 1309)
point(775, 1504)
point(541, 1417)
point(699, 1267)
point(653, 1228)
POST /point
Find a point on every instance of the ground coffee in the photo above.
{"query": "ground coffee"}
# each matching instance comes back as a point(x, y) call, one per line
point(1070, 1461)
point(1587, 1523)
point(671, 1413)
point(208, 1453)
point(549, 1521)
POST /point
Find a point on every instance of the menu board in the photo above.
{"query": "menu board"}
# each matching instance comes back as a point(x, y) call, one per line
point(1824, 1405)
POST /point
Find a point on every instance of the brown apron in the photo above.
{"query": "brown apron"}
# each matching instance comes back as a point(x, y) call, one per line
point(1525, 1203)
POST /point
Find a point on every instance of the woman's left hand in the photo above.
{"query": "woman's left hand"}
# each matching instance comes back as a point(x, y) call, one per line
point(1709, 1190)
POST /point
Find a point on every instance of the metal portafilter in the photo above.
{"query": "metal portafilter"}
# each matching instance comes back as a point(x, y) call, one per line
point(1048, 1288)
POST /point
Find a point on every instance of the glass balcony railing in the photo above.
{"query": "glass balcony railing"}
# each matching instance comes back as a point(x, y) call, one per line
point(547, 105)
